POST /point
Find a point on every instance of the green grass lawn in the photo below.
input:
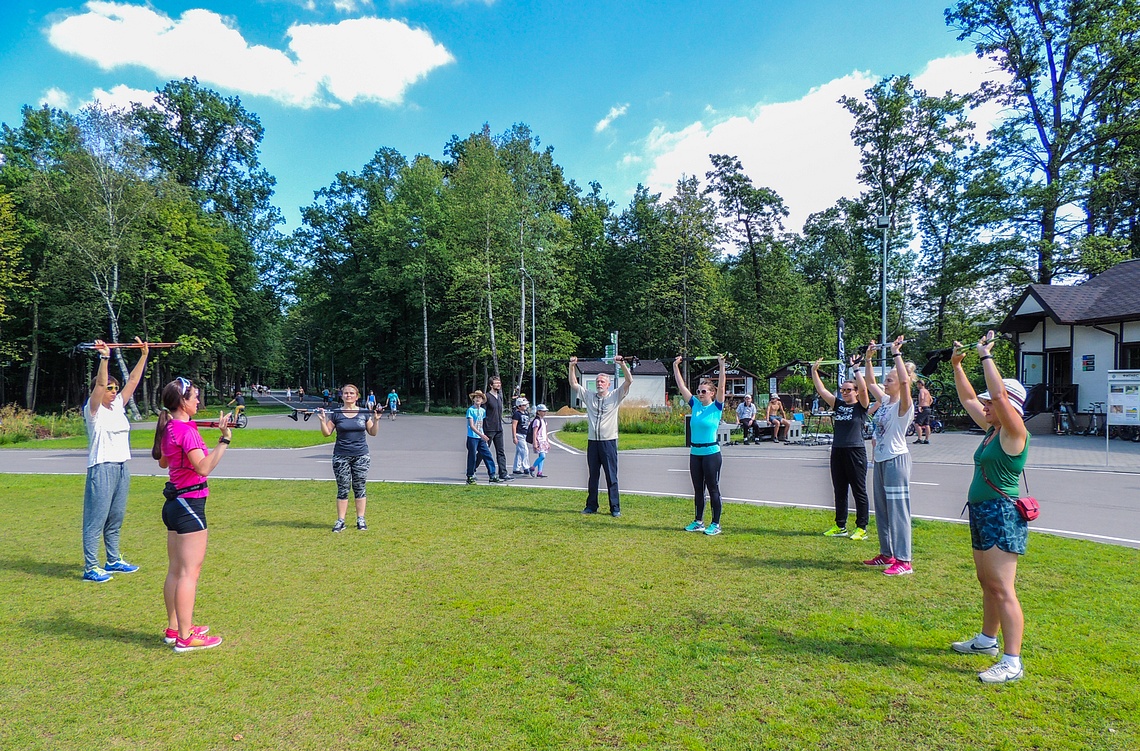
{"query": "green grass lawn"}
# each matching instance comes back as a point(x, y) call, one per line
point(627, 441)
point(142, 437)
point(490, 617)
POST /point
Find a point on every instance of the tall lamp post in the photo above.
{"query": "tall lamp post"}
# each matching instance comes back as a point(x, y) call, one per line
point(883, 222)
point(533, 345)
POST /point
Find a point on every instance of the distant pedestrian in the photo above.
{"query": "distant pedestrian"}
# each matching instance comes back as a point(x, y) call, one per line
point(520, 421)
point(541, 441)
point(923, 414)
point(393, 403)
point(478, 449)
point(493, 424)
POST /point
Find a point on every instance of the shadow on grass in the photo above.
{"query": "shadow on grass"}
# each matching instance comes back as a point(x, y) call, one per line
point(66, 625)
point(291, 523)
point(789, 564)
point(539, 510)
point(42, 568)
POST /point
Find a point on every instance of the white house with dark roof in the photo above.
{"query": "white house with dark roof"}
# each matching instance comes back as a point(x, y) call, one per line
point(1069, 337)
point(648, 387)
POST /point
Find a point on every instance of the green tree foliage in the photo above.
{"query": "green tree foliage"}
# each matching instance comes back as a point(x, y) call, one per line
point(1070, 95)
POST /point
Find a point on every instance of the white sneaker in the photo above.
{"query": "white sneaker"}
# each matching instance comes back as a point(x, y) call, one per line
point(1002, 672)
point(973, 647)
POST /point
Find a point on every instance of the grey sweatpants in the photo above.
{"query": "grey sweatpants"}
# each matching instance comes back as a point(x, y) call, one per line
point(892, 506)
point(104, 508)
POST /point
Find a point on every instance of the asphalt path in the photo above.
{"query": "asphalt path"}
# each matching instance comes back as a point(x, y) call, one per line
point(1079, 498)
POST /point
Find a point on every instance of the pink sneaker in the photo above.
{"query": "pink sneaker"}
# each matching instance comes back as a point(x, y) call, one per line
point(196, 642)
point(881, 560)
point(898, 569)
point(172, 633)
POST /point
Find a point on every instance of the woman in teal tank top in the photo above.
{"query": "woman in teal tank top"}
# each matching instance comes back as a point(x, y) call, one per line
point(997, 531)
point(704, 454)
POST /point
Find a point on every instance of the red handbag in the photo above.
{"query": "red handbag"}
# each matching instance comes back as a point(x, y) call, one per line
point(1026, 505)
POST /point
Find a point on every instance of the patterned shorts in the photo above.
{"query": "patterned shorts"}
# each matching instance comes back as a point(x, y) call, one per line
point(351, 471)
point(997, 522)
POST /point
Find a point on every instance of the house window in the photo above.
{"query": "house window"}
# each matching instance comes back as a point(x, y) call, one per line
point(1130, 356)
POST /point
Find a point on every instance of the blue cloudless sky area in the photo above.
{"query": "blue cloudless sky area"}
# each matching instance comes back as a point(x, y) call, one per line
point(559, 67)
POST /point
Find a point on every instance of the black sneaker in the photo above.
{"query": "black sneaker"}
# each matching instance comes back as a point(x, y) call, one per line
point(470, 480)
point(339, 526)
point(494, 479)
point(361, 524)
point(505, 478)
point(588, 511)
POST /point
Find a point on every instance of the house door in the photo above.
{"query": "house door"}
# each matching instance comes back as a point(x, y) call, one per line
point(1060, 377)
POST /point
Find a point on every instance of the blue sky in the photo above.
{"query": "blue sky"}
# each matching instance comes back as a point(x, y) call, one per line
point(625, 92)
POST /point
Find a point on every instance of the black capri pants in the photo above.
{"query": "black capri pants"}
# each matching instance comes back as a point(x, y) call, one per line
point(705, 471)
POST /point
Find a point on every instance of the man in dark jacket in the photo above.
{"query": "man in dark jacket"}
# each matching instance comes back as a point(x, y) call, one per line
point(493, 424)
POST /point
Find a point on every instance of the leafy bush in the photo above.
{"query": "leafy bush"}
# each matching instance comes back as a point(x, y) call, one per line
point(18, 425)
point(641, 419)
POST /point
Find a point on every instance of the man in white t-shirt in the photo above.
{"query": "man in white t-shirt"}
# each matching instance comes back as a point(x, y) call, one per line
point(108, 479)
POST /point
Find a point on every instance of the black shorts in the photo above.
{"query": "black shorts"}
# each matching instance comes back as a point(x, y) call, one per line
point(922, 416)
point(184, 515)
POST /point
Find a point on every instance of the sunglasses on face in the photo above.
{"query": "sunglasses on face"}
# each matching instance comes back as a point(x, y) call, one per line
point(703, 391)
point(111, 387)
point(845, 389)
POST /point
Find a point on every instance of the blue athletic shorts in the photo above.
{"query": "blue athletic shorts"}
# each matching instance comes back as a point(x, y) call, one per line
point(997, 522)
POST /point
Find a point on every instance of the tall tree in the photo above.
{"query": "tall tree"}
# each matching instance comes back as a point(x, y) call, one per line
point(1062, 59)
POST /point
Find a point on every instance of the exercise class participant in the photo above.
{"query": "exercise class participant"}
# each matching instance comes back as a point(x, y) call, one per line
point(351, 460)
point(179, 448)
point(108, 478)
point(998, 533)
point(704, 453)
point(848, 450)
point(478, 447)
point(892, 461)
point(602, 426)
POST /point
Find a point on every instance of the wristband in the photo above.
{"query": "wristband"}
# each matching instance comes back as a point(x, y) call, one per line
point(986, 357)
point(896, 354)
point(104, 357)
point(224, 440)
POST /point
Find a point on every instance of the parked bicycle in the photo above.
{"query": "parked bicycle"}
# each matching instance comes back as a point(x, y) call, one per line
point(1095, 426)
point(1064, 421)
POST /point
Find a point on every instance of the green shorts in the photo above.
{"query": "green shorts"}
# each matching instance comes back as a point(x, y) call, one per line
point(997, 522)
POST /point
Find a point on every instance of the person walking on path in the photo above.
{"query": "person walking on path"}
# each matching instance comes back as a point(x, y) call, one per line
point(108, 477)
point(892, 461)
point(478, 449)
point(493, 425)
point(541, 441)
point(924, 414)
point(998, 533)
point(520, 421)
point(393, 403)
point(602, 424)
point(848, 450)
point(179, 448)
point(351, 460)
point(704, 453)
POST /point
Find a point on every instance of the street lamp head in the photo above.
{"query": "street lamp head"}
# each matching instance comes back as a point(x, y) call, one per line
point(882, 221)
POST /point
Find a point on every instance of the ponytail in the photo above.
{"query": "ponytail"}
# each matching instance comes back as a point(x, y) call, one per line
point(171, 400)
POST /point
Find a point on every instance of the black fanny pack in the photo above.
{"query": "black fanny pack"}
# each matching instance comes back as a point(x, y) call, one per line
point(169, 492)
point(702, 445)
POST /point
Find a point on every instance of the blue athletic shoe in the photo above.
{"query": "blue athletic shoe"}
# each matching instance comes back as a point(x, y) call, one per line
point(96, 575)
point(122, 567)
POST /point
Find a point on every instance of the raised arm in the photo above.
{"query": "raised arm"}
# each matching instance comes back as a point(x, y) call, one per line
point(574, 385)
point(627, 376)
point(1013, 432)
point(326, 423)
point(136, 374)
point(966, 394)
point(722, 382)
point(685, 393)
point(860, 386)
point(820, 389)
point(905, 400)
point(100, 387)
point(869, 364)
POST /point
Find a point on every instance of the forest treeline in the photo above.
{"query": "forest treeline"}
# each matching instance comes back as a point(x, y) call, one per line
point(428, 274)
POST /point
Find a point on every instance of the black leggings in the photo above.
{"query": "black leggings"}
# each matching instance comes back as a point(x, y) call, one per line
point(849, 470)
point(705, 471)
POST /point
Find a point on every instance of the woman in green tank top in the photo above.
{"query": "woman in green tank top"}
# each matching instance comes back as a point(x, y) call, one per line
point(997, 531)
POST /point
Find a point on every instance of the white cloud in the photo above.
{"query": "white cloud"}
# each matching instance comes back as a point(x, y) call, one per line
point(360, 59)
point(122, 97)
point(57, 98)
point(351, 6)
point(614, 114)
point(800, 149)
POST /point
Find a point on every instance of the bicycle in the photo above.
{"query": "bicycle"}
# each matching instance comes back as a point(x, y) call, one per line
point(1064, 421)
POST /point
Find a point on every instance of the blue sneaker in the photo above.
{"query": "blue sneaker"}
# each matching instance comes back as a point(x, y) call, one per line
point(122, 567)
point(696, 526)
point(714, 529)
point(96, 575)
